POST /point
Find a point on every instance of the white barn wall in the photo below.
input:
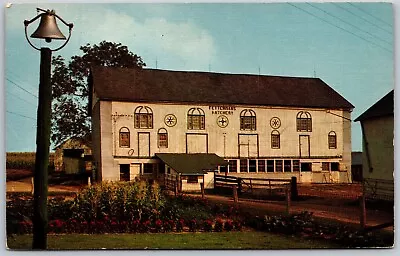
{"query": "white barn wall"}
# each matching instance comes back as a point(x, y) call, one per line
point(222, 141)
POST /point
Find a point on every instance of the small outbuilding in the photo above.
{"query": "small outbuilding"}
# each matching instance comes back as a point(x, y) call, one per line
point(72, 156)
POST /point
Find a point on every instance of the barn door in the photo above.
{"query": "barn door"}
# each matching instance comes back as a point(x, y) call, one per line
point(304, 141)
point(248, 145)
point(196, 143)
point(144, 144)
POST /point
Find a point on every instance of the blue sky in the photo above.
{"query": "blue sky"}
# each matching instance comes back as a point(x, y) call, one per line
point(347, 45)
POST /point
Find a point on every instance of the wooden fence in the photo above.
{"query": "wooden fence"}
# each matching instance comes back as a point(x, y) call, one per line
point(250, 184)
point(378, 189)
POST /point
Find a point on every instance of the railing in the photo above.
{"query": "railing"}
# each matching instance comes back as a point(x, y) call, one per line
point(378, 189)
point(248, 184)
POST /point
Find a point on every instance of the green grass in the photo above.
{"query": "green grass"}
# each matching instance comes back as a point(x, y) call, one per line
point(224, 240)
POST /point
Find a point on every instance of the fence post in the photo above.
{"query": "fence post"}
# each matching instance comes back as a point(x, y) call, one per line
point(293, 189)
point(287, 200)
point(239, 185)
point(270, 188)
point(33, 186)
point(235, 194)
point(363, 213)
point(202, 189)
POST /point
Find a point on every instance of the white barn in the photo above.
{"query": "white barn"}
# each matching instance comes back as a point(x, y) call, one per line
point(149, 122)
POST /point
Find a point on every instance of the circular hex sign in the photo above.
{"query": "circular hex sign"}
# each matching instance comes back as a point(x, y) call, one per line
point(222, 121)
point(275, 122)
point(170, 120)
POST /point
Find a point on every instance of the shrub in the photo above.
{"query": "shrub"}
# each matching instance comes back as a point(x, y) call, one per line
point(237, 225)
point(207, 225)
point(158, 225)
point(192, 224)
point(168, 225)
point(228, 225)
point(218, 225)
point(179, 225)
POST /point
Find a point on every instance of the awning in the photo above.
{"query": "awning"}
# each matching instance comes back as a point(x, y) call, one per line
point(191, 164)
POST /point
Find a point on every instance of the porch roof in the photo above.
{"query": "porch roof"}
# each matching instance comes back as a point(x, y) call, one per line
point(191, 164)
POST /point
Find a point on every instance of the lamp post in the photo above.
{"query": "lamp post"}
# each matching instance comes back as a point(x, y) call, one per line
point(47, 30)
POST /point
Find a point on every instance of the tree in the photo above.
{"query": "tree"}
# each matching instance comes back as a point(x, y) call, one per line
point(70, 89)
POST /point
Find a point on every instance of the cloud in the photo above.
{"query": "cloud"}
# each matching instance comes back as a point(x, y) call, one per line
point(176, 45)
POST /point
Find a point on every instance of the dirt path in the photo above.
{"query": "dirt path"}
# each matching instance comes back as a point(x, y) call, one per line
point(344, 214)
point(25, 185)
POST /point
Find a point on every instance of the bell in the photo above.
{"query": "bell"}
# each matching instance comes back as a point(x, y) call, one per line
point(48, 28)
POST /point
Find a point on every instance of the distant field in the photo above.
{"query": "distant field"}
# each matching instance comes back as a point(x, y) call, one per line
point(215, 240)
point(23, 161)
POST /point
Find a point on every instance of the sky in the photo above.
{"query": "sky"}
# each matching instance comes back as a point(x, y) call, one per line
point(347, 45)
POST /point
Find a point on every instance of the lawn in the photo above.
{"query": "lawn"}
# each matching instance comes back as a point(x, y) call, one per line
point(216, 240)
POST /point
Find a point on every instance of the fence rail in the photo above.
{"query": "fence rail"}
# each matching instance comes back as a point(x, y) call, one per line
point(378, 189)
point(249, 184)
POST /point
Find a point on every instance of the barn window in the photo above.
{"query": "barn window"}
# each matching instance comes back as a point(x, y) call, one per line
point(243, 165)
point(287, 164)
point(304, 121)
point(162, 138)
point(192, 179)
point(279, 165)
point(143, 117)
point(261, 165)
point(252, 165)
point(325, 166)
point(296, 165)
point(248, 120)
point(232, 165)
point(275, 139)
point(196, 119)
point(332, 140)
point(270, 166)
point(124, 137)
point(148, 168)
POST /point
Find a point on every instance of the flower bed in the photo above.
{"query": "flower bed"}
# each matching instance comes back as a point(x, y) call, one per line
point(124, 208)
point(304, 225)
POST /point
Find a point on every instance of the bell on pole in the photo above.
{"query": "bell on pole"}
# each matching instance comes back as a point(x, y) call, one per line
point(48, 28)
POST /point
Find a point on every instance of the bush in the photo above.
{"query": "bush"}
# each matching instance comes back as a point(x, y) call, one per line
point(228, 225)
point(207, 225)
point(219, 224)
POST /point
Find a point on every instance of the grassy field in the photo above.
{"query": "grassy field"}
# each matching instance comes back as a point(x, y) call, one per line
point(224, 240)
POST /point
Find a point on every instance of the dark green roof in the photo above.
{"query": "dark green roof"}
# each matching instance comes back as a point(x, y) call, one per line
point(191, 164)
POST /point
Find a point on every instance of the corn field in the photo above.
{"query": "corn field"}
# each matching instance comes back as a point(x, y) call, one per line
point(24, 160)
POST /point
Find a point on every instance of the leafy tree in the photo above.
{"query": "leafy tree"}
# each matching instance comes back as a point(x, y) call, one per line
point(70, 89)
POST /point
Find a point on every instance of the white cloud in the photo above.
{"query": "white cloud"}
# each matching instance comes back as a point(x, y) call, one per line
point(176, 45)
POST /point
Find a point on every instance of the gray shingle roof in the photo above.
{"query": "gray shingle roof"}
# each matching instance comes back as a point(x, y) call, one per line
point(153, 85)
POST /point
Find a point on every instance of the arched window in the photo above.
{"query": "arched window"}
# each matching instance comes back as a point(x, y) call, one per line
point(143, 117)
point(162, 138)
point(275, 139)
point(196, 119)
point(304, 121)
point(248, 120)
point(124, 138)
point(332, 140)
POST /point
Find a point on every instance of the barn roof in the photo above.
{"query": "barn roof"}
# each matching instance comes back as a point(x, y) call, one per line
point(154, 85)
point(384, 107)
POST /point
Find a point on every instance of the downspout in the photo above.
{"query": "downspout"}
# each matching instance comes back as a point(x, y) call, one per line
point(370, 168)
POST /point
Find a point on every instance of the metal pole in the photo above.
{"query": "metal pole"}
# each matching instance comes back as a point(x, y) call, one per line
point(40, 218)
